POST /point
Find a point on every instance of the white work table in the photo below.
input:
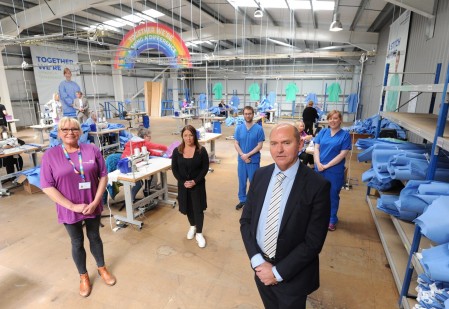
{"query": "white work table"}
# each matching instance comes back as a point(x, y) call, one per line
point(211, 137)
point(135, 117)
point(181, 121)
point(41, 128)
point(145, 171)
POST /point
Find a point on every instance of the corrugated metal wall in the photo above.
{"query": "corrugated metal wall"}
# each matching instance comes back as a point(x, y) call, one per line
point(422, 56)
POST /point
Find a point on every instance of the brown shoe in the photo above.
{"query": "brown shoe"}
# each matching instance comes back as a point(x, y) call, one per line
point(107, 277)
point(85, 287)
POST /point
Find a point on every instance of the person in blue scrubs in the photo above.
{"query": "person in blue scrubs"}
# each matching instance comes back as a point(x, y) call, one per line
point(249, 139)
point(331, 147)
point(67, 93)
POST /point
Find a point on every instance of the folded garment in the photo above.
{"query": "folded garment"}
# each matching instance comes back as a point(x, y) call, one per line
point(409, 166)
point(386, 204)
point(434, 222)
point(434, 188)
point(436, 262)
point(387, 144)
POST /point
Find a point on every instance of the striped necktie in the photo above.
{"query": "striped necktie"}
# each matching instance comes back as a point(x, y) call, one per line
point(271, 225)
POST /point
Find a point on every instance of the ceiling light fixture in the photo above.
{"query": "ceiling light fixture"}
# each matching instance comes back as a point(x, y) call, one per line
point(258, 13)
point(336, 23)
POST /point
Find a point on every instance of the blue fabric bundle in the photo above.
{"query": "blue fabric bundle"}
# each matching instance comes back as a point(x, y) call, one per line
point(271, 97)
point(413, 166)
point(434, 222)
point(381, 185)
point(215, 110)
point(230, 121)
point(386, 204)
point(371, 144)
point(352, 101)
point(264, 105)
point(202, 101)
point(369, 126)
point(235, 101)
point(436, 262)
point(431, 294)
point(419, 194)
point(33, 176)
point(312, 97)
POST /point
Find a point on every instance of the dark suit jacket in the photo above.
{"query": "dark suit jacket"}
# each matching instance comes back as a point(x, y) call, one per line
point(303, 227)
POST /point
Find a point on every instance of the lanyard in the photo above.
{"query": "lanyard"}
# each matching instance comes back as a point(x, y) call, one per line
point(80, 159)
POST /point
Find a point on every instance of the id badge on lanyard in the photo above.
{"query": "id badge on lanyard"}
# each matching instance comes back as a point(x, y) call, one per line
point(85, 185)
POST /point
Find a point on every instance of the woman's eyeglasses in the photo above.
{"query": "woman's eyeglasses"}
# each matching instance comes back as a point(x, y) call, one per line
point(73, 130)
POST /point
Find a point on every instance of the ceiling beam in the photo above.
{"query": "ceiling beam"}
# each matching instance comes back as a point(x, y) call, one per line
point(312, 12)
point(359, 13)
point(228, 32)
point(15, 24)
point(384, 18)
point(205, 9)
point(158, 8)
point(424, 8)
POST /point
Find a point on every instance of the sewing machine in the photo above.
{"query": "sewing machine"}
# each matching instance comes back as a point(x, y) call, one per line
point(136, 159)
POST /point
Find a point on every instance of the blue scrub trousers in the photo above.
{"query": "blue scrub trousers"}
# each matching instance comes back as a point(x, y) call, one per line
point(245, 172)
point(337, 180)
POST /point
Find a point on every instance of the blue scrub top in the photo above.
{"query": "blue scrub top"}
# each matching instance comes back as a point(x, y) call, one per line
point(67, 93)
point(331, 146)
point(248, 139)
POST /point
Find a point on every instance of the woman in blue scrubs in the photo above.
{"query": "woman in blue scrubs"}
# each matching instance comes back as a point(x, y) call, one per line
point(331, 146)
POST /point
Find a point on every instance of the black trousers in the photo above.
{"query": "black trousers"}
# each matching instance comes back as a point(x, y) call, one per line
point(76, 234)
point(11, 162)
point(308, 127)
point(195, 216)
point(273, 297)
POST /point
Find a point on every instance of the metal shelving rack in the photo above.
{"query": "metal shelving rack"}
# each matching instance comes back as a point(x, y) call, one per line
point(434, 128)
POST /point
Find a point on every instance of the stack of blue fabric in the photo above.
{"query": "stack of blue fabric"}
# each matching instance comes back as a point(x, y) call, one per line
point(419, 194)
point(431, 293)
point(234, 120)
point(404, 161)
point(369, 126)
point(413, 201)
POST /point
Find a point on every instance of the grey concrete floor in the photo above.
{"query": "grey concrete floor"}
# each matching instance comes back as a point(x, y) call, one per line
point(157, 267)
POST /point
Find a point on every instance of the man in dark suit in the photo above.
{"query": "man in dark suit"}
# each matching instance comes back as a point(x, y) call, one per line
point(284, 250)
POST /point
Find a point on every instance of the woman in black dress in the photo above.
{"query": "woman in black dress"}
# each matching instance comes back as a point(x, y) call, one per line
point(190, 164)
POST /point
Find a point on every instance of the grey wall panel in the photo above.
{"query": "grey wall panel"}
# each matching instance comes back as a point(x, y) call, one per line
point(422, 56)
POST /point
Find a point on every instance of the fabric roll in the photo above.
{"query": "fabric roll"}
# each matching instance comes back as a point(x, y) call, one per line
point(436, 262)
point(381, 146)
point(434, 188)
point(386, 204)
point(434, 222)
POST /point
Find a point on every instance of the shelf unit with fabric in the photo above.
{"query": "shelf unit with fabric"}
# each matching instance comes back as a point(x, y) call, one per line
point(392, 231)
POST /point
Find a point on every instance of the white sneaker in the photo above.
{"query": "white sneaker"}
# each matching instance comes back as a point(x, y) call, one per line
point(200, 240)
point(191, 232)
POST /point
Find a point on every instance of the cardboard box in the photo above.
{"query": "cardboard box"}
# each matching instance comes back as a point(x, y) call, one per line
point(355, 136)
point(27, 186)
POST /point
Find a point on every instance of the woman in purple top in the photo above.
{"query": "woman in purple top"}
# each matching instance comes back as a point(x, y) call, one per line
point(74, 176)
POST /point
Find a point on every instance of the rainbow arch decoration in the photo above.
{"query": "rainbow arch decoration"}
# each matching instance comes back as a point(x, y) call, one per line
point(152, 36)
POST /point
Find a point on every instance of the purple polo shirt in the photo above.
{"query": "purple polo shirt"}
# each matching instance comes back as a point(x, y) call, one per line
point(57, 172)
